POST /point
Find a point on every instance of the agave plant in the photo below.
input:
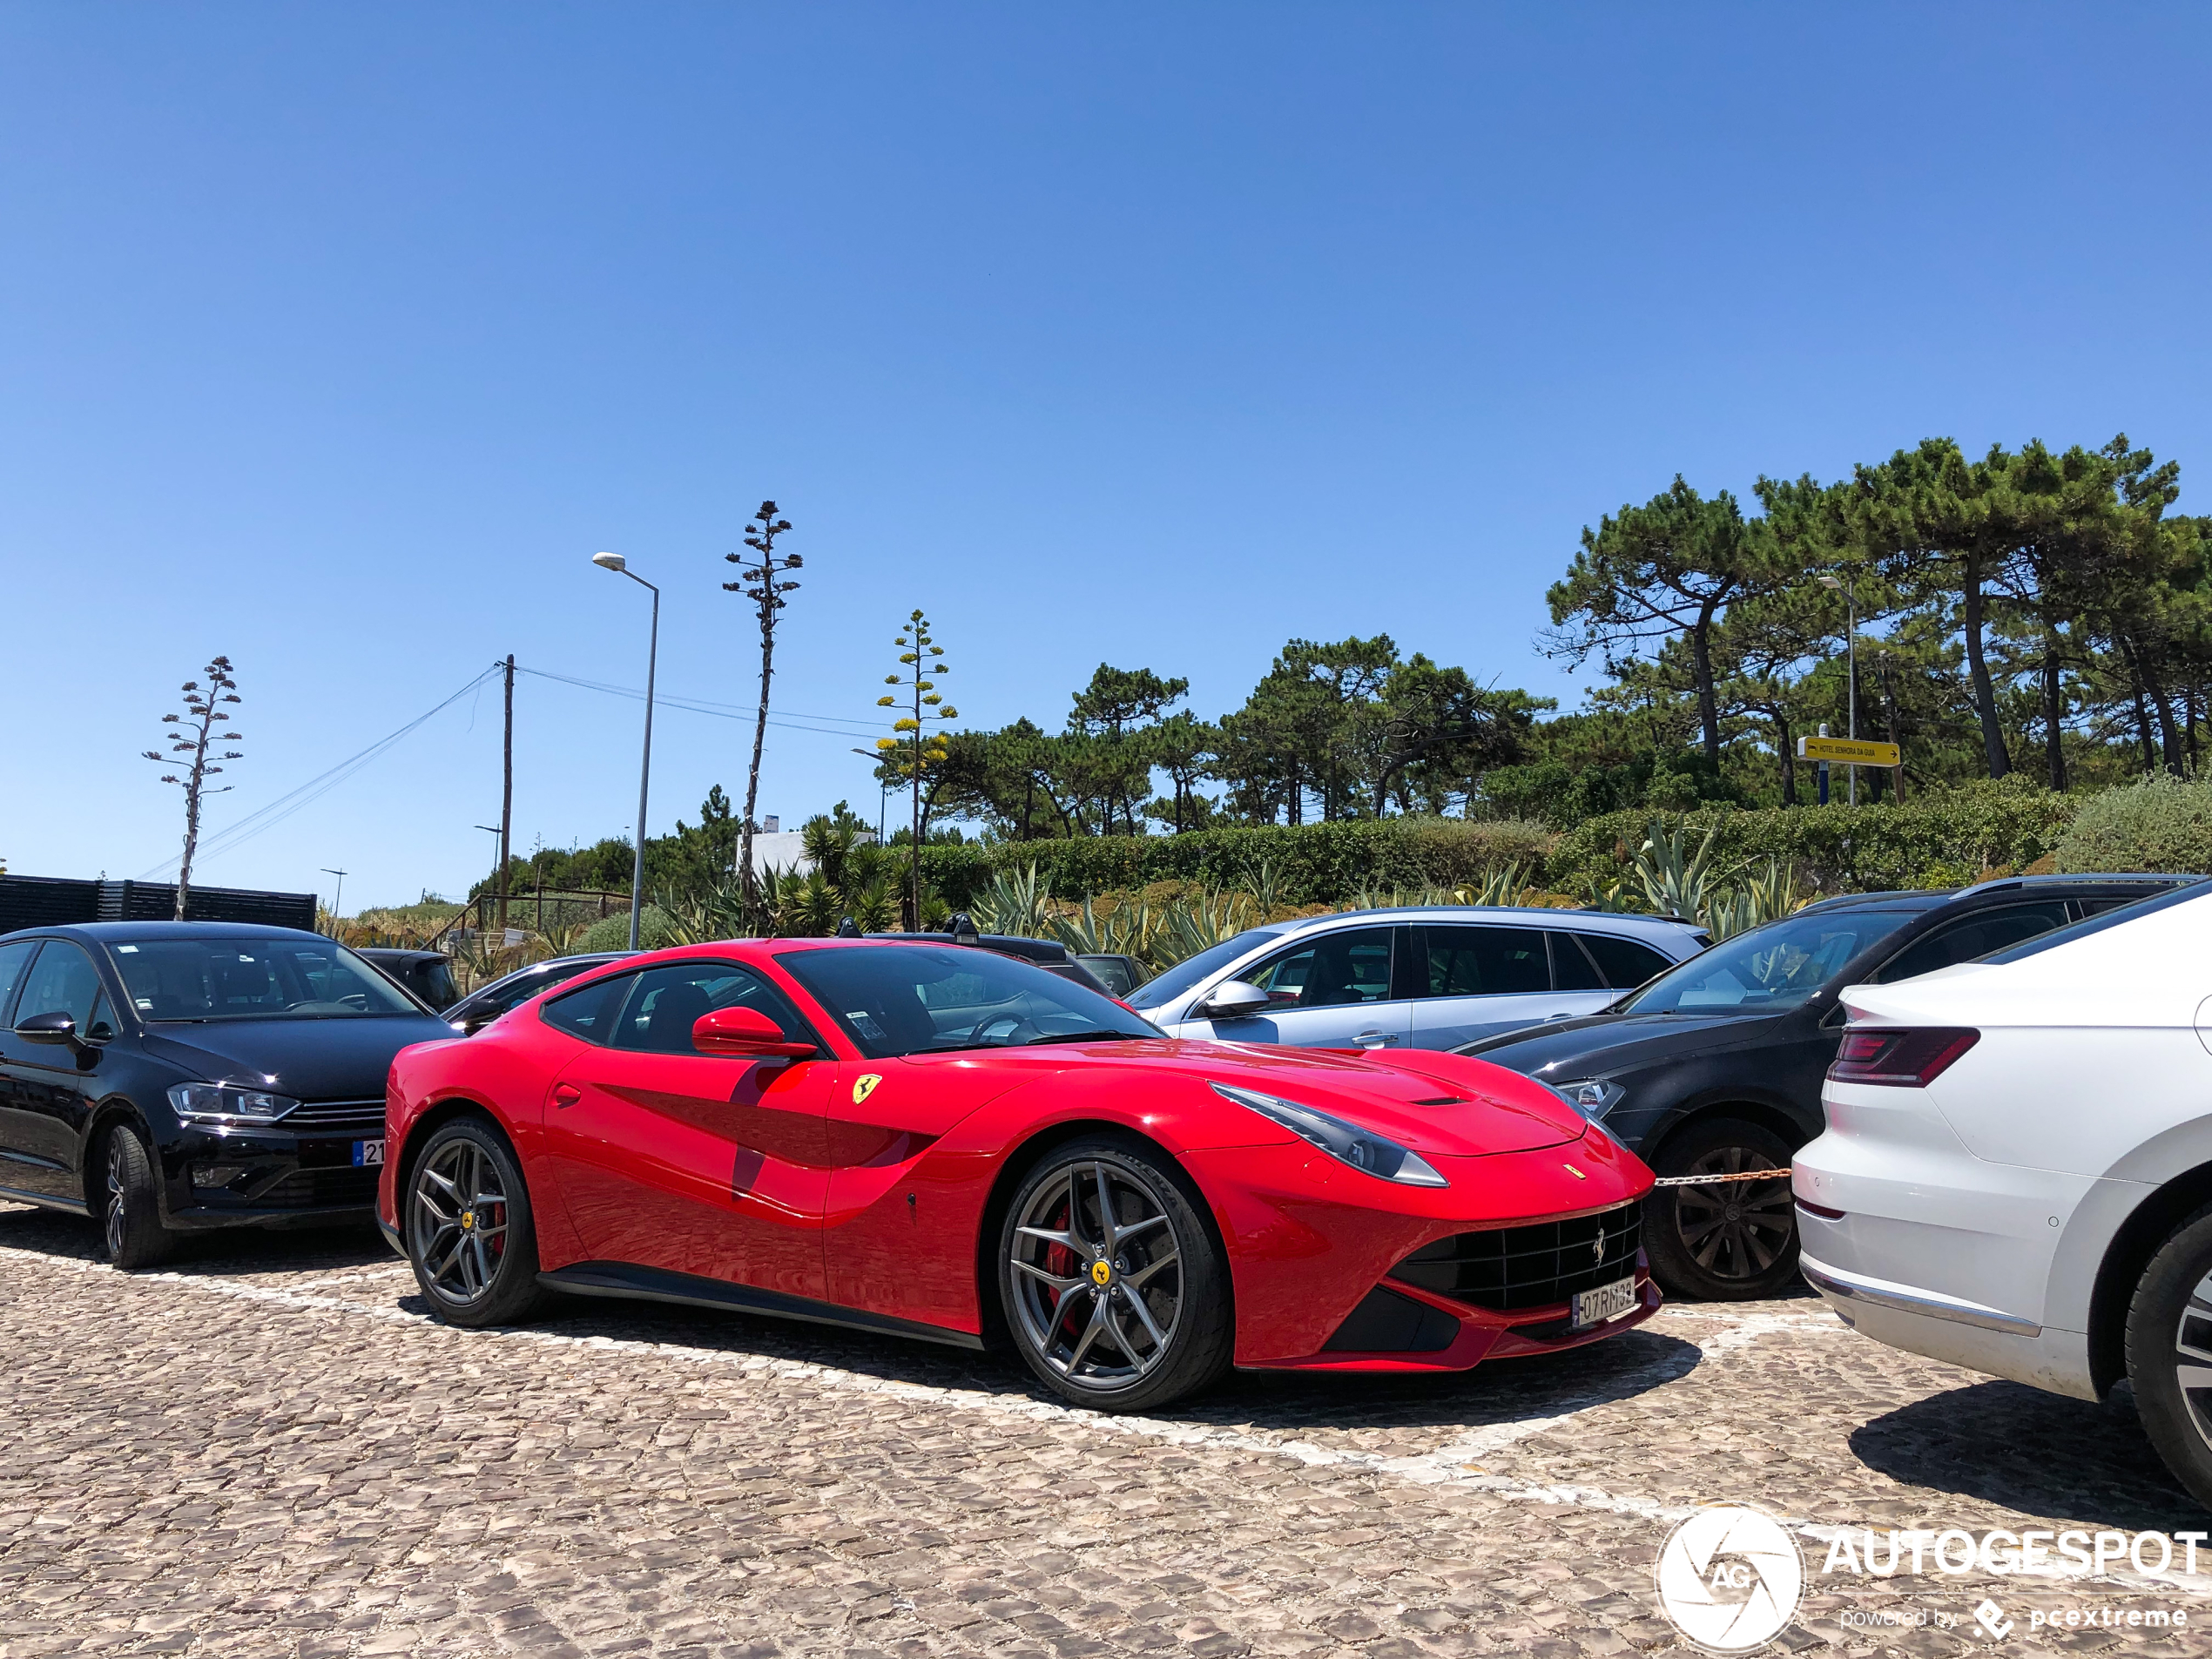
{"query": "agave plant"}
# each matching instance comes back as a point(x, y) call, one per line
point(1676, 881)
point(1507, 885)
point(1014, 903)
point(1762, 896)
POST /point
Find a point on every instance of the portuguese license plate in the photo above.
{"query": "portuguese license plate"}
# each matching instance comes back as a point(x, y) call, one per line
point(369, 1154)
point(1607, 1302)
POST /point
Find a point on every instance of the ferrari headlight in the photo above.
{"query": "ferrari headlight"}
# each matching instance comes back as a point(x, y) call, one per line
point(1349, 1144)
point(1593, 1097)
point(225, 1105)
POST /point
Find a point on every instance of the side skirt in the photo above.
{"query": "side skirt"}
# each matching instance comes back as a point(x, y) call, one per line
point(45, 1201)
point(659, 1285)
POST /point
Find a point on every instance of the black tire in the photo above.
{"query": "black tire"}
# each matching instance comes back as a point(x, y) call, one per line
point(1731, 1242)
point(131, 1235)
point(1159, 1326)
point(2169, 1336)
point(465, 1214)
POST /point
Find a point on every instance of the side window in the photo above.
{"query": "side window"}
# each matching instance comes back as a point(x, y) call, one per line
point(62, 980)
point(1482, 962)
point(1625, 963)
point(588, 1013)
point(13, 960)
point(665, 1003)
point(1572, 968)
point(1352, 966)
point(1972, 936)
point(525, 987)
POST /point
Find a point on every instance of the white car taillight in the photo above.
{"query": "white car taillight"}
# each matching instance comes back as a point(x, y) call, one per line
point(1902, 1058)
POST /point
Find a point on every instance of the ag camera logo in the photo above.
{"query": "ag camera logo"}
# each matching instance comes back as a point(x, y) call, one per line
point(1729, 1578)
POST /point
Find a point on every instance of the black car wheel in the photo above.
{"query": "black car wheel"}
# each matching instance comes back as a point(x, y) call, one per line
point(2170, 1353)
point(1732, 1241)
point(1113, 1287)
point(131, 1235)
point(468, 1231)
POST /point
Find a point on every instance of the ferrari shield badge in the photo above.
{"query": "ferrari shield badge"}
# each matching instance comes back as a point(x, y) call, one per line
point(863, 1087)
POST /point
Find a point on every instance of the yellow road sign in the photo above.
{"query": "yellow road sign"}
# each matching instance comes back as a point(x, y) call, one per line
point(1852, 752)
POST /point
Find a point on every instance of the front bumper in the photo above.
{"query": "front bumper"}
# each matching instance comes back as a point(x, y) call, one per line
point(259, 1177)
point(1311, 1241)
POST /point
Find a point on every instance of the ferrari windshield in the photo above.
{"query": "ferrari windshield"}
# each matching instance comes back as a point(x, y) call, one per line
point(896, 999)
point(1769, 968)
point(253, 979)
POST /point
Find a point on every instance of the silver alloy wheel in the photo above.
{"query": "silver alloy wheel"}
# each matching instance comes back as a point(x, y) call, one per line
point(459, 1220)
point(1097, 1278)
point(119, 1176)
point(1736, 1229)
point(2193, 1357)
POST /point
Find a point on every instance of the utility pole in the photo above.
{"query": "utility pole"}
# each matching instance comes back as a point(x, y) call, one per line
point(507, 793)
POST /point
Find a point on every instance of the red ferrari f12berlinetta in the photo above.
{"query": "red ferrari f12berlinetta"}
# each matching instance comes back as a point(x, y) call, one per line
point(945, 1142)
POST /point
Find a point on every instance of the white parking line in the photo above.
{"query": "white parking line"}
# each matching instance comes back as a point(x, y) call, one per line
point(1449, 1465)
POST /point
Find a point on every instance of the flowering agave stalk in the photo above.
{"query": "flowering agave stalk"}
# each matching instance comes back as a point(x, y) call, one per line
point(916, 749)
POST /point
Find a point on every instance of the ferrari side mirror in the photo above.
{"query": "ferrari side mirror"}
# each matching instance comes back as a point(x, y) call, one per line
point(745, 1034)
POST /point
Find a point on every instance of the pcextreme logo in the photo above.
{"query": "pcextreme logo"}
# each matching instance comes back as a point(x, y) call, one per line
point(1729, 1578)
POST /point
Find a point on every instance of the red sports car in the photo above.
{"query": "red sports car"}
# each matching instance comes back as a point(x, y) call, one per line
point(949, 1143)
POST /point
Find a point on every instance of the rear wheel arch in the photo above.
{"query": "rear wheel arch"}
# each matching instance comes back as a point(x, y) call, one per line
point(1015, 1167)
point(2139, 1239)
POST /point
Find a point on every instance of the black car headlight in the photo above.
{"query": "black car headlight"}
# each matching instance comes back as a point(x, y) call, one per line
point(227, 1106)
point(1362, 1149)
point(1592, 1096)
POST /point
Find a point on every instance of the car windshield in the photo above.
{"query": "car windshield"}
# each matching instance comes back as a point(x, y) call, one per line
point(896, 999)
point(253, 979)
point(1769, 968)
point(1195, 970)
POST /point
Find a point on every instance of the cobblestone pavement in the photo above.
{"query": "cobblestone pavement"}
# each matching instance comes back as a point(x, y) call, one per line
point(272, 1451)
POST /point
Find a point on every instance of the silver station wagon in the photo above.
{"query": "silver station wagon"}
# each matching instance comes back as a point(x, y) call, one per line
point(1428, 978)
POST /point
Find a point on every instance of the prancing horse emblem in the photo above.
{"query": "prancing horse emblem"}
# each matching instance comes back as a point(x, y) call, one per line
point(1597, 1250)
point(863, 1087)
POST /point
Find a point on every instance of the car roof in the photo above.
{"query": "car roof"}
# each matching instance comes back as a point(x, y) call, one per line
point(1936, 898)
point(398, 953)
point(140, 933)
point(1527, 915)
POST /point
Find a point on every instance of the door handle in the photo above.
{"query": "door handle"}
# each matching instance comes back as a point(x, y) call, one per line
point(1375, 1039)
point(566, 1094)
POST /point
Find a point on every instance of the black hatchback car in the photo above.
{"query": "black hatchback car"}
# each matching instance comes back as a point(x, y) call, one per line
point(1714, 1067)
point(171, 1077)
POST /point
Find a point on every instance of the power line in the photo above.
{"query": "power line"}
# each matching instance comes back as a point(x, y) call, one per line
point(284, 805)
point(720, 711)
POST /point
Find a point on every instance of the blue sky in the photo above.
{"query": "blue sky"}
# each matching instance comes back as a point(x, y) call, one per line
point(338, 339)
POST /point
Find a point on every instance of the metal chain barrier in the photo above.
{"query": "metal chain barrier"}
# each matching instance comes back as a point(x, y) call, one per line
point(1708, 1180)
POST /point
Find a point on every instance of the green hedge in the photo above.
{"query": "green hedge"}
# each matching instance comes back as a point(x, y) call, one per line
point(1938, 839)
point(1312, 864)
point(2159, 824)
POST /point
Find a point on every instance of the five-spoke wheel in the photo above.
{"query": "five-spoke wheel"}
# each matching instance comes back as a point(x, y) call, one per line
point(1113, 1286)
point(468, 1226)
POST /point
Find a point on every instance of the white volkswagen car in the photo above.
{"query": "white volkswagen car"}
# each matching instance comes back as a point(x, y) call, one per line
point(2017, 1172)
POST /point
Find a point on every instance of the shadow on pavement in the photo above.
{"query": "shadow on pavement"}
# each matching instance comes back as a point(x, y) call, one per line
point(1427, 1407)
point(2046, 1455)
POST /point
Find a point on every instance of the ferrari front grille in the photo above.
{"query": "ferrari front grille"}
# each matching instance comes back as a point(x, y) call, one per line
point(1506, 1269)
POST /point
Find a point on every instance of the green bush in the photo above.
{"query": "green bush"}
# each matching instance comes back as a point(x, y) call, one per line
point(654, 931)
point(2159, 824)
point(1937, 839)
point(1312, 863)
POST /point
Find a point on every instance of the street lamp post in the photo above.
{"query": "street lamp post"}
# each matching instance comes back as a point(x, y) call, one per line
point(873, 758)
point(337, 898)
point(493, 829)
point(1835, 584)
point(616, 563)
